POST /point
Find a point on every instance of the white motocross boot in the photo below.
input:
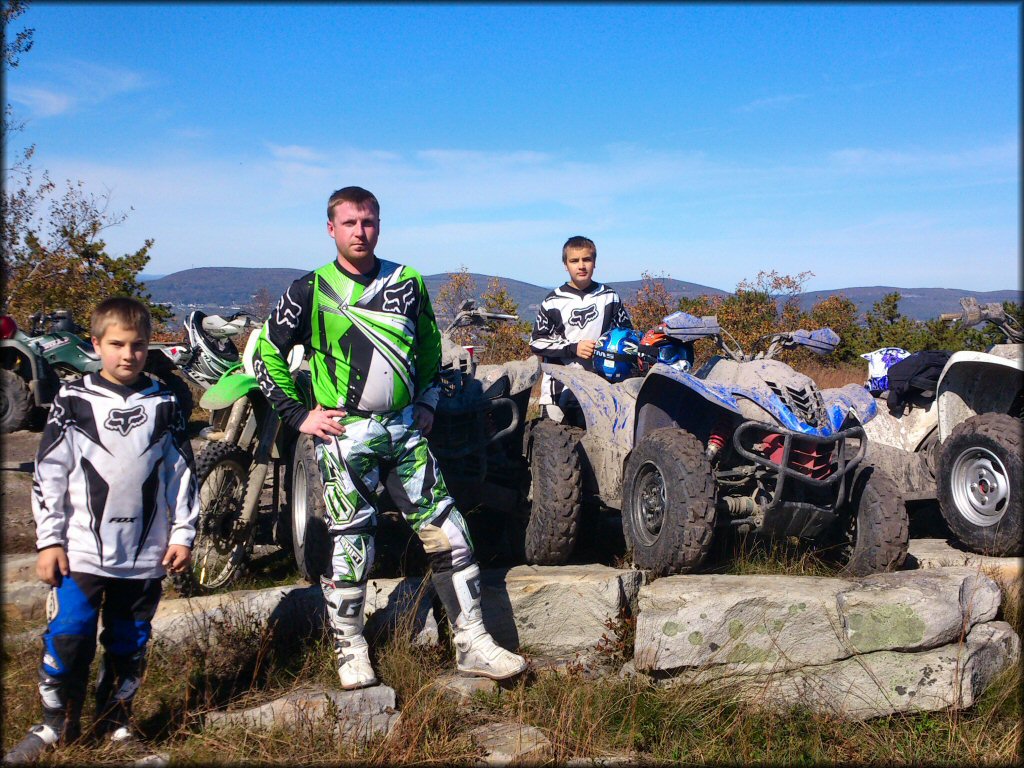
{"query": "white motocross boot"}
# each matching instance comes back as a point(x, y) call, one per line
point(345, 613)
point(476, 653)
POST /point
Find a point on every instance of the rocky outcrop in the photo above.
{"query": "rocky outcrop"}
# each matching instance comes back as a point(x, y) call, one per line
point(858, 647)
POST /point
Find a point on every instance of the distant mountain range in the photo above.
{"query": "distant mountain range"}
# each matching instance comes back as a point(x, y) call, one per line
point(226, 288)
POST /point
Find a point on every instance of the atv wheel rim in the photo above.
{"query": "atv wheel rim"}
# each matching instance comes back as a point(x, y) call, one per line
point(299, 508)
point(217, 550)
point(981, 487)
point(649, 502)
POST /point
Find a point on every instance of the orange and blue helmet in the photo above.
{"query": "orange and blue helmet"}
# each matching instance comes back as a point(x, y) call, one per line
point(657, 347)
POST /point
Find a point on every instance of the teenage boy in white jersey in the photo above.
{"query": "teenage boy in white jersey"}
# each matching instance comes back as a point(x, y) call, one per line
point(571, 320)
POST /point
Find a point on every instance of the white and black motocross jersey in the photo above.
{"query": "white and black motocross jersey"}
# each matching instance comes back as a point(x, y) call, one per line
point(113, 480)
point(567, 316)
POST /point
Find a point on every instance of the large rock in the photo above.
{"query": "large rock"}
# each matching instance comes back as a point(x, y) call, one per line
point(941, 553)
point(883, 682)
point(556, 609)
point(855, 648)
point(775, 623)
point(358, 714)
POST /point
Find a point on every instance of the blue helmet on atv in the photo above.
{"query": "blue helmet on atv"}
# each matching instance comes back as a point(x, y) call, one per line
point(615, 354)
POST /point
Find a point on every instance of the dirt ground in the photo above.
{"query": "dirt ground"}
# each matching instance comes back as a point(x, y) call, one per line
point(16, 460)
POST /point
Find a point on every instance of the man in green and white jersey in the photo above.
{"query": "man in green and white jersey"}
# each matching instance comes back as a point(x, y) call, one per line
point(376, 354)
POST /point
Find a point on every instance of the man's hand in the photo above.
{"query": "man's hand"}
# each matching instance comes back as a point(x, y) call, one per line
point(321, 423)
point(177, 558)
point(52, 565)
point(423, 419)
point(585, 348)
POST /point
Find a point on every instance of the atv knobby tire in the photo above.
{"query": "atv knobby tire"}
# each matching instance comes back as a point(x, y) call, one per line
point(981, 484)
point(874, 526)
point(15, 401)
point(310, 538)
point(556, 482)
point(219, 551)
point(668, 502)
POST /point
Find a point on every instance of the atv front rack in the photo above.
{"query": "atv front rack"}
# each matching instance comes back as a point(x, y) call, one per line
point(836, 444)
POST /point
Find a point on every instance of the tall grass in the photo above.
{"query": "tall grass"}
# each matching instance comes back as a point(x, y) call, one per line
point(237, 663)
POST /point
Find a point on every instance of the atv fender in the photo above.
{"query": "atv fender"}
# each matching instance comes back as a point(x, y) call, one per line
point(522, 374)
point(42, 385)
point(977, 382)
point(608, 408)
point(227, 390)
point(851, 398)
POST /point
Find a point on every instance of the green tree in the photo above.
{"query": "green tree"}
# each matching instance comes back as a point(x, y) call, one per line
point(651, 303)
point(458, 288)
point(504, 340)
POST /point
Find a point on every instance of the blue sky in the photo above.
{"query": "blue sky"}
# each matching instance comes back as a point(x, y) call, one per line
point(867, 144)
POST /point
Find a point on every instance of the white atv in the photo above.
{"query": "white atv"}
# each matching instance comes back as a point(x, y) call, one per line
point(961, 442)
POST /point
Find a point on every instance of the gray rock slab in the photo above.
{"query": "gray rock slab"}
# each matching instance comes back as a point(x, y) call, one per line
point(885, 682)
point(358, 714)
point(511, 743)
point(465, 687)
point(774, 623)
point(25, 599)
point(555, 609)
point(18, 568)
point(939, 553)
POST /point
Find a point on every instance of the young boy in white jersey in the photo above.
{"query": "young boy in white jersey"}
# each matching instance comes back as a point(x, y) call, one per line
point(115, 504)
point(571, 320)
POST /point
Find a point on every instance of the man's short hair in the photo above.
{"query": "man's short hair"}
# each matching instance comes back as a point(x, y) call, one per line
point(578, 242)
point(354, 195)
point(126, 312)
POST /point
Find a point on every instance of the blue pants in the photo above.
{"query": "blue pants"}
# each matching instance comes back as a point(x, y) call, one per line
point(73, 610)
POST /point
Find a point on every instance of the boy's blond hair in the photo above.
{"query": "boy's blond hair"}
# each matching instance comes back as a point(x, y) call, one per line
point(126, 312)
point(578, 242)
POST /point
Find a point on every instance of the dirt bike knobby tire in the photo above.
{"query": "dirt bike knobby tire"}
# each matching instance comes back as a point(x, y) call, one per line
point(984, 449)
point(556, 483)
point(874, 526)
point(669, 461)
point(235, 460)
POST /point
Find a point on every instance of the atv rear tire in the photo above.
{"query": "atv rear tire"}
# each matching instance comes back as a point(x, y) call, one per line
point(556, 482)
point(981, 484)
point(668, 502)
point(15, 402)
point(311, 541)
point(218, 553)
point(874, 525)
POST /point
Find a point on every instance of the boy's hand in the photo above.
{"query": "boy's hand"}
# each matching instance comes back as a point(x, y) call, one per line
point(585, 348)
point(177, 558)
point(52, 566)
point(321, 423)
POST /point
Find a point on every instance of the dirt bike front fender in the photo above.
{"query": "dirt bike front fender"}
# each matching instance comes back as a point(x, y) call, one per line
point(227, 390)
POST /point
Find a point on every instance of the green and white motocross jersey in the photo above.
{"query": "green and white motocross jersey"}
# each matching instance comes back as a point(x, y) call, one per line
point(374, 341)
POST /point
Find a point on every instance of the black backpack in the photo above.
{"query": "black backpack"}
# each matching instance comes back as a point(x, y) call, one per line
point(916, 375)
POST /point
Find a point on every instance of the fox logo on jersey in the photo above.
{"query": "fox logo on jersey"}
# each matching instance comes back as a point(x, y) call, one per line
point(399, 298)
point(580, 317)
point(125, 421)
point(287, 311)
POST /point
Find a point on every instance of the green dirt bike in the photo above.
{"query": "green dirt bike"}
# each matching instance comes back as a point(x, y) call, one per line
point(253, 473)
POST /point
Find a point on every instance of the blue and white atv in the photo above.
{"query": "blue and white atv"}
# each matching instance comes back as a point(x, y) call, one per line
point(744, 442)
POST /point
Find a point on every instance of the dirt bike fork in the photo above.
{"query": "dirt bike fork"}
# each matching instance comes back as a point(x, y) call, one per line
point(266, 438)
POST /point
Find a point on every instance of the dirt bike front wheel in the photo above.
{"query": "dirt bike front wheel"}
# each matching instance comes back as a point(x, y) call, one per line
point(220, 547)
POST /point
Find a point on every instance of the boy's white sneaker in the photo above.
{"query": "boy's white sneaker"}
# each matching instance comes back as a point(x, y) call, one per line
point(39, 739)
point(122, 735)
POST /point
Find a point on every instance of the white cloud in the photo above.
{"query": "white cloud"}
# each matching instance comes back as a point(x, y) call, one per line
point(64, 88)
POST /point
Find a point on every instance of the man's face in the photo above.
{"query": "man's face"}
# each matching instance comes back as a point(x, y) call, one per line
point(122, 352)
point(579, 263)
point(355, 229)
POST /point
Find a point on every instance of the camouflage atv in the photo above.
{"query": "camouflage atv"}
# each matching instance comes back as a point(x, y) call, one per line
point(745, 442)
